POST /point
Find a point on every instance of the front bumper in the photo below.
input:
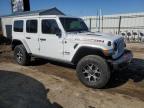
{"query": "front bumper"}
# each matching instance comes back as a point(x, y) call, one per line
point(122, 61)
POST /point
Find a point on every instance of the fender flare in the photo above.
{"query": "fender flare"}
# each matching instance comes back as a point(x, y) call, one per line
point(86, 50)
point(16, 42)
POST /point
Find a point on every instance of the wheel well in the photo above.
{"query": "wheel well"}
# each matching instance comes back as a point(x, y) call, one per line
point(15, 43)
point(84, 51)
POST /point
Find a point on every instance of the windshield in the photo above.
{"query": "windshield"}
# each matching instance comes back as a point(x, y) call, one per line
point(73, 24)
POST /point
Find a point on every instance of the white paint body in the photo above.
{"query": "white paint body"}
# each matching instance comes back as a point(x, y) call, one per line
point(62, 48)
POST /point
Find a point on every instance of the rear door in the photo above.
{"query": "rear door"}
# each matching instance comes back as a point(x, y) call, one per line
point(51, 45)
point(18, 29)
point(32, 35)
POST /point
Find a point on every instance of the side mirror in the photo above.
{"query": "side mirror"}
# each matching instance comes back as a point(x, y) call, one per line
point(58, 32)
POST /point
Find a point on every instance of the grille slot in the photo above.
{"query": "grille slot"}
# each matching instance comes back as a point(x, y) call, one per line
point(120, 45)
point(120, 48)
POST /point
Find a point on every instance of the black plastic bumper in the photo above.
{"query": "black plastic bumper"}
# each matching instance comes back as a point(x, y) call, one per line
point(122, 61)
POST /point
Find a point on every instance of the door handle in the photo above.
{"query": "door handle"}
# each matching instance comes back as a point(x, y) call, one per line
point(42, 39)
point(28, 38)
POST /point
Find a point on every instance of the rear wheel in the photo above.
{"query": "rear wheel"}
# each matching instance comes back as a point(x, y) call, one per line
point(21, 56)
point(93, 71)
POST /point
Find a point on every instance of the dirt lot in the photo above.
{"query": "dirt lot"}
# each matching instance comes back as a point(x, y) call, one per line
point(46, 84)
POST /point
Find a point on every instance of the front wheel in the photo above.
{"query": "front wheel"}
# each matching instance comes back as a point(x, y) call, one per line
point(93, 71)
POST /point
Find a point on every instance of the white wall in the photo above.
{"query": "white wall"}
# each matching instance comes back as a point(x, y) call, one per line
point(110, 23)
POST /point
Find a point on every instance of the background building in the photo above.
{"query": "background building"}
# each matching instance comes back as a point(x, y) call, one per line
point(6, 21)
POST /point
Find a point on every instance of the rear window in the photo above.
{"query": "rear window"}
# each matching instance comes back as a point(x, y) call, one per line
point(18, 26)
point(31, 26)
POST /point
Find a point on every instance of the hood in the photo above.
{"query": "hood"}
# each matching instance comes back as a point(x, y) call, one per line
point(91, 36)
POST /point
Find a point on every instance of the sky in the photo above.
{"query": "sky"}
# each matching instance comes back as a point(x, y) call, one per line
point(81, 7)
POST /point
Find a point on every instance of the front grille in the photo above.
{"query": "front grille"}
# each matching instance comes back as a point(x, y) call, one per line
point(120, 47)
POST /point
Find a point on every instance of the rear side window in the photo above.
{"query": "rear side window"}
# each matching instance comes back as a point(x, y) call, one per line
point(49, 26)
point(18, 26)
point(31, 26)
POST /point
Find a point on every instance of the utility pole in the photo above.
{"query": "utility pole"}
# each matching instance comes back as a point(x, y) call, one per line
point(90, 26)
point(119, 27)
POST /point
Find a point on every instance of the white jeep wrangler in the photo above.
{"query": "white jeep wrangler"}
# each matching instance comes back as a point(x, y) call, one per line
point(68, 39)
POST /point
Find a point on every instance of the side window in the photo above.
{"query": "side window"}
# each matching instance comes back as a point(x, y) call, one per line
point(31, 26)
point(49, 26)
point(18, 26)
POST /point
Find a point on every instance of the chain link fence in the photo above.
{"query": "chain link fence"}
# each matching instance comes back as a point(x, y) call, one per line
point(131, 27)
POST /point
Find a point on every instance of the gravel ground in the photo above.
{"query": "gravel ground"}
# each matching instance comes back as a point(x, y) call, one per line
point(47, 84)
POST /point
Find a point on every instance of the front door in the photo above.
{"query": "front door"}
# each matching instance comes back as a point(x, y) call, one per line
point(51, 45)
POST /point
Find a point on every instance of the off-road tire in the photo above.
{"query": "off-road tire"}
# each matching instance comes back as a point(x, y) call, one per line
point(100, 64)
point(20, 50)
